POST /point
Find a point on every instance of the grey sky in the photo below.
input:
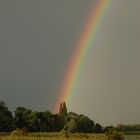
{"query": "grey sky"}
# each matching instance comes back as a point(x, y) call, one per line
point(37, 38)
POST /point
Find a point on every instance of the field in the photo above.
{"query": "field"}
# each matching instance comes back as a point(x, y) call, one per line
point(60, 136)
point(132, 137)
point(56, 136)
point(132, 132)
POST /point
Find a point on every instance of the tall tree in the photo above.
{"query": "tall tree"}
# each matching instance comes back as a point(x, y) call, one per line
point(84, 124)
point(63, 114)
point(22, 117)
point(63, 109)
point(6, 118)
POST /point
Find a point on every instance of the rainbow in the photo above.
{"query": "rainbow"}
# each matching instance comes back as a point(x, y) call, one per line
point(85, 43)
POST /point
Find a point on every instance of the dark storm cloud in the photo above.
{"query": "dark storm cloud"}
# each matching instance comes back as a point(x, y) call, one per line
point(36, 41)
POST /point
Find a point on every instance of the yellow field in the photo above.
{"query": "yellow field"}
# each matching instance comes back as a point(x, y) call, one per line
point(54, 138)
point(57, 136)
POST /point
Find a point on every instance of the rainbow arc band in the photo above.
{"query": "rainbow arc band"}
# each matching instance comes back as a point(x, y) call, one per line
point(82, 48)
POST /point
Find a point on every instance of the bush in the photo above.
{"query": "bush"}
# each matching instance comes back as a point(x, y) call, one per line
point(19, 133)
point(64, 134)
point(112, 134)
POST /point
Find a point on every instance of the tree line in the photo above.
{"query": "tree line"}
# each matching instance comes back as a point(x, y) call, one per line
point(34, 121)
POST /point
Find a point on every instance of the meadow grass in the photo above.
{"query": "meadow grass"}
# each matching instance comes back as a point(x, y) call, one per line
point(52, 138)
point(132, 132)
point(57, 136)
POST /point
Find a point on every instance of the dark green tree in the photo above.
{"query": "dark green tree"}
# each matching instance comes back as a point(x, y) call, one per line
point(38, 122)
point(71, 126)
point(57, 123)
point(63, 110)
point(34, 121)
point(6, 118)
point(84, 124)
point(22, 116)
point(63, 114)
point(97, 128)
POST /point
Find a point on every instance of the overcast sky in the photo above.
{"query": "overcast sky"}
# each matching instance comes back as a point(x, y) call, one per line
point(37, 38)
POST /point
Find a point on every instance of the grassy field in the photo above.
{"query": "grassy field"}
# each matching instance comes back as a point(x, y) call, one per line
point(62, 136)
point(57, 136)
point(132, 137)
point(132, 132)
point(54, 138)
